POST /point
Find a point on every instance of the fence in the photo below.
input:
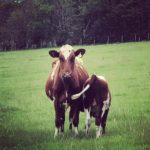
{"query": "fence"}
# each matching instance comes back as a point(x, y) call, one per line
point(6, 45)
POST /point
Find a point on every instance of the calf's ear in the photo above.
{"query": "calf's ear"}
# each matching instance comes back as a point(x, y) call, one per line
point(53, 53)
point(80, 52)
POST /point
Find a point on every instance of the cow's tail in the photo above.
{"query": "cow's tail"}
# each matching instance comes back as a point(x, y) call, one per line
point(86, 87)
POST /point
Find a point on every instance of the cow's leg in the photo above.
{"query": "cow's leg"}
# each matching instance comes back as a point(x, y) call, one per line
point(74, 118)
point(57, 118)
point(76, 121)
point(70, 118)
point(87, 120)
point(104, 119)
point(62, 118)
point(98, 131)
point(98, 121)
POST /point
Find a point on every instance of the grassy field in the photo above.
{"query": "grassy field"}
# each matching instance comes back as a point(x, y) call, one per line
point(27, 116)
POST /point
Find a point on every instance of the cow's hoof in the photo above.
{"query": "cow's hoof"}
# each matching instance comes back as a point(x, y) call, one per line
point(56, 132)
point(62, 134)
point(98, 134)
point(76, 131)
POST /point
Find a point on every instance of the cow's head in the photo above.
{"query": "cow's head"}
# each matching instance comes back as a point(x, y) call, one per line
point(66, 57)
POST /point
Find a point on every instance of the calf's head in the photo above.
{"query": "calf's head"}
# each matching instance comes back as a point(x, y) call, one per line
point(66, 57)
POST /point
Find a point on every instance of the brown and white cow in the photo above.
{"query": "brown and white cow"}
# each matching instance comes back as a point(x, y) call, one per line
point(67, 78)
point(97, 99)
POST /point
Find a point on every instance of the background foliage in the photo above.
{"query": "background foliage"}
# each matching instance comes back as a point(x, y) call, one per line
point(44, 23)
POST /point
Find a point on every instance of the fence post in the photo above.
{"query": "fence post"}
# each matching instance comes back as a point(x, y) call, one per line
point(94, 42)
point(139, 38)
point(121, 38)
point(135, 37)
point(107, 39)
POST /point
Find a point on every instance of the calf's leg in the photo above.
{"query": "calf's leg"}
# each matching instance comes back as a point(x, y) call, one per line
point(98, 122)
point(87, 120)
point(104, 119)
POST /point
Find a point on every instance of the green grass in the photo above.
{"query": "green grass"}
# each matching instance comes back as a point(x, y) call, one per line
point(27, 116)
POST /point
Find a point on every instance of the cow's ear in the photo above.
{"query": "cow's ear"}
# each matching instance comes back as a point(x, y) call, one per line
point(54, 53)
point(80, 52)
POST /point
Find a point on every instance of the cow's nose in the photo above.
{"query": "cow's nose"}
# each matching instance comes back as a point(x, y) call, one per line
point(67, 75)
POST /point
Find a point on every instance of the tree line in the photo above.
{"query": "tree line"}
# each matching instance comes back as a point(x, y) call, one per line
point(28, 24)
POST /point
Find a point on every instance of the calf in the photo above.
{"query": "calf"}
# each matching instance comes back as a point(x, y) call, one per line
point(96, 101)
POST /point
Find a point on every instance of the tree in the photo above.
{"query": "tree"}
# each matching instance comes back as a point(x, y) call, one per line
point(42, 23)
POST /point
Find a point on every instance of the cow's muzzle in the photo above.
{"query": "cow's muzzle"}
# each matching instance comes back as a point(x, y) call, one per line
point(67, 75)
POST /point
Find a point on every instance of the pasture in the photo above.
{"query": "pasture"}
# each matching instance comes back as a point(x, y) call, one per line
point(27, 116)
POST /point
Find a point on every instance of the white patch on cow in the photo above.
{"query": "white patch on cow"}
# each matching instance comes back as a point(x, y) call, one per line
point(94, 102)
point(49, 92)
point(83, 96)
point(75, 96)
point(87, 121)
point(101, 78)
point(76, 130)
point(66, 105)
point(66, 94)
point(53, 98)
point(98, 131)
point(87, 113)
point(54, 70)
point(106, 105)
point(56, 132)
point(80, 61)
point(66, 50)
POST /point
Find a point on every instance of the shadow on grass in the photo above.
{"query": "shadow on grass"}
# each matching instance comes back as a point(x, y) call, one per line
point(11, 136)
point(82, 136)
point(24, 138)
point(28, 138)
point(19, 137)
point(8, 109)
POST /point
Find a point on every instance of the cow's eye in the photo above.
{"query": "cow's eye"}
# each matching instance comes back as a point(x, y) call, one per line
point(72, 59)
point(61, 59)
